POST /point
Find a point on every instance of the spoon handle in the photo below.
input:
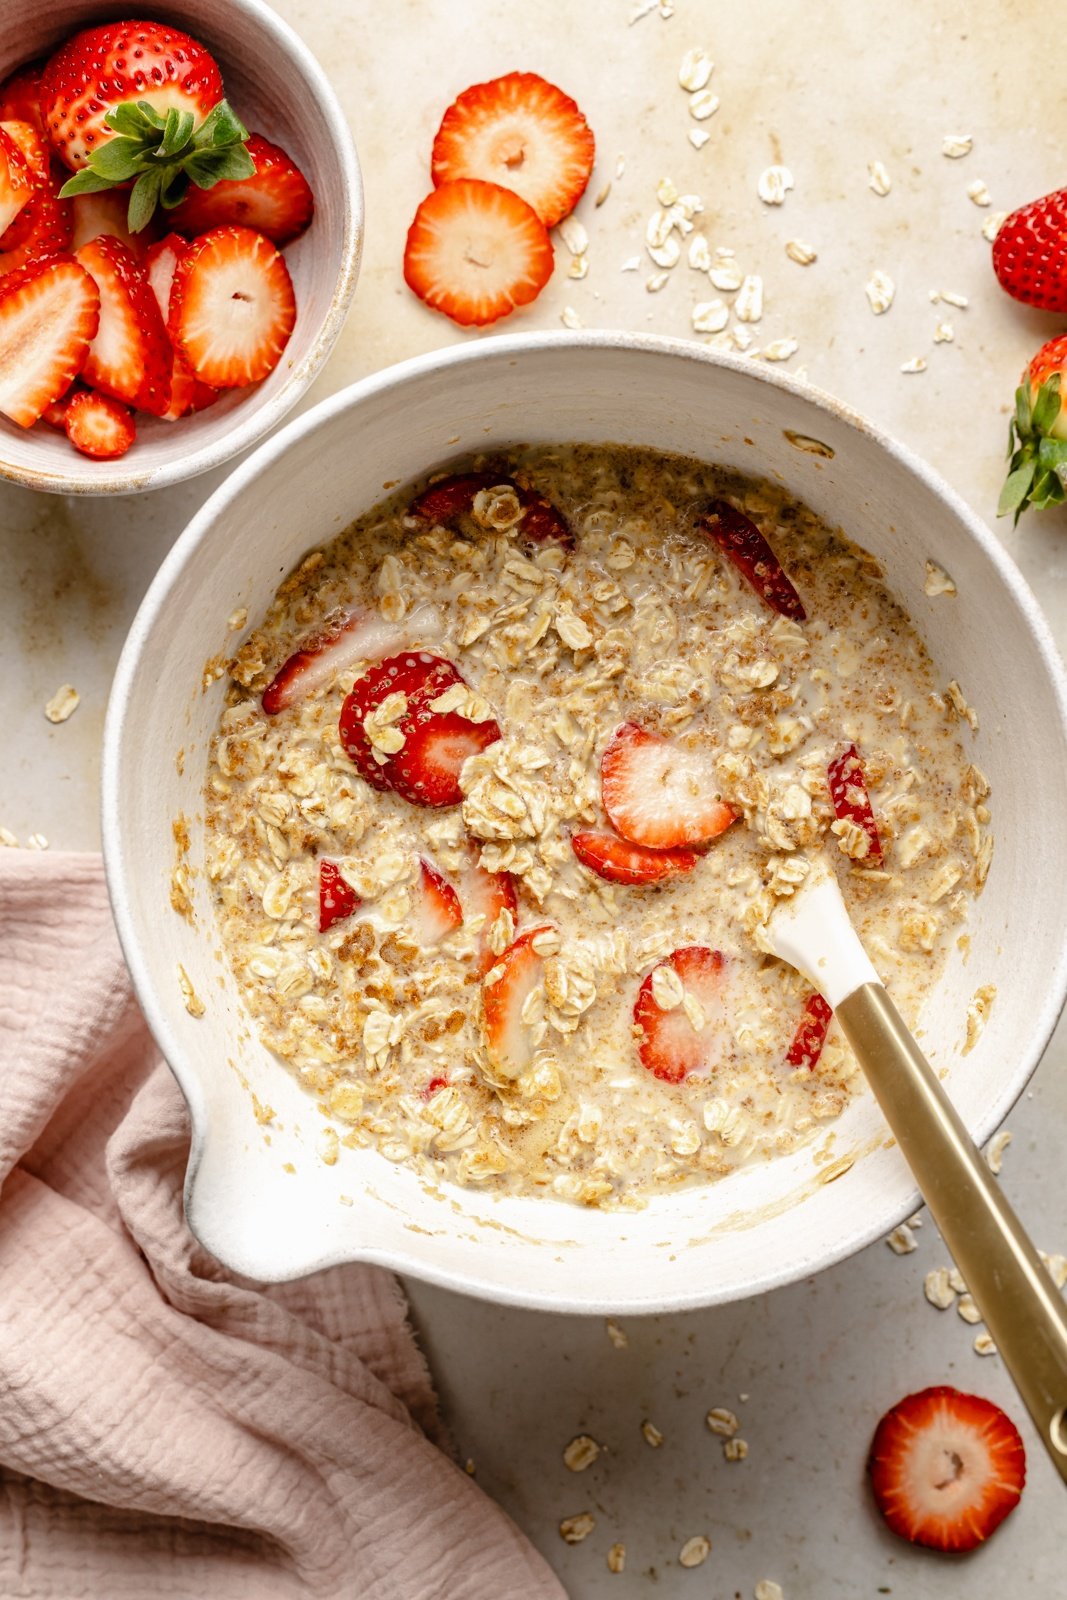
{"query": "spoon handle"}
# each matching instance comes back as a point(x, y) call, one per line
point(1019, 1302)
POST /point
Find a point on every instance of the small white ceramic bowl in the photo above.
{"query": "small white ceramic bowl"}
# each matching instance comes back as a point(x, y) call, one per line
point(771, 1222)
point(278, 89)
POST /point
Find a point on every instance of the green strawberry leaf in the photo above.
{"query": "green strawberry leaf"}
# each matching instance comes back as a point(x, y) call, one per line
point(85, 182)
point(1047, 406)
point(128, 119)
point(1016, 489)
point(143, 198)
point(177, 133)
point(1022, 410)
point(120, 159)
point(210, 167)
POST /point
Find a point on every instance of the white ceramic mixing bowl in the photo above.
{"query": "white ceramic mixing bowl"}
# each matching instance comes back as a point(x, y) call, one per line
point(771, 1222)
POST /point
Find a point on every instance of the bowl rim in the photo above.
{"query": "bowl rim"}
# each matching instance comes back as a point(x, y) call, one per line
point(260, 419)
point(516, 345)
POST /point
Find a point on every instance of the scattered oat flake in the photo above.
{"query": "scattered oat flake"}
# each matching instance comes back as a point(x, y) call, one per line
point(944, 333)
point(749, 303)
point(799, 251)
point(656, 282)
point(616, 1558)
point(955, 145)
point(8, 839)
point(959, 704)
point(879, 290)
point(967, 1309)
point(710, 316)
point(63, 703)
point(978, 192)
point(937, 1288)
point(699, 256)
point(703, 104)
point(345, 1199)
point(902, 1241)
point(725, 275)
point(666, 192)
point(767, 1589)
point(668, 254)
point(950, 297)
point(37, 841)
point(977, 1013)
point(878, 177)
point(983, 1344)
point(579, 267)
point(329, 1147)
point(992, 225)
point(616, 1335)
point(572, 1530)
point(774, 184)
point(780, 349)
point(698, 137)
point(735, 1449)
point(237, 619)
point(642, 9)
point(695, 1551)
point(995, 1154)
point(631, 264)
point(580, 1453)
point(916, 364)
point(956, 1280)
point(193, 1003)
point(602, 194)
point(570, 318)
point(722, 1422)
point(620, 166)
point(574, 236)
point(1057, 1269)
point(696, 68)
point(937, 580)
point(651, 1434)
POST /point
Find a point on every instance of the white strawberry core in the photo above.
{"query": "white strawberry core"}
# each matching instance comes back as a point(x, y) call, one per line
point(947, 1468)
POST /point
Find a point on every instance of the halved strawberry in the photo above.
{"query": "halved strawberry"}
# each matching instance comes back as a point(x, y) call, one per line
point(486, 894)
point(130, 357)
point(667, 1042)
point(738, 538)
point(522, 132)
point(232, 307)
point(276, 201)
point(437, 910)
point(408, 675)
point(337, 899)
point(454, 497)
point(852, 803)
point(99, 426)
point(505, 990)
point(946, 1468)
point(16, 181)
point(187, 391)
point(344, 638)
point(48, 316)
point(20, 97)
point(476, 251)
point(810, 1036)
point(621, 862)
point(659, 794)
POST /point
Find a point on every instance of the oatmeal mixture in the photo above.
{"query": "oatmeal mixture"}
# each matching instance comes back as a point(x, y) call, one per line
point(458, 988)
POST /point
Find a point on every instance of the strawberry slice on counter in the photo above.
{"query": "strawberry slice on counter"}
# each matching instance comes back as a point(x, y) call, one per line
point(741, 541)
point(337, 899)
point(405, 674)
point(851, 801)
point(20, 97)
point(130, 358)
point(946, 1468)
point(659, 794)
point(232, 307)
point(452, 497)
point(669, 1046)
point(619, 861)
point(276, 200)
point(48, 317)
point(187, 391)
point(17, 180)
point(438, 910)
point(1030, 253)
point(476, 251)
point(345, 638)
point(1037, 436)
point(523, 133)
point(99, 426)
point(810, 1036)
point(505, 990)
point(486, 894)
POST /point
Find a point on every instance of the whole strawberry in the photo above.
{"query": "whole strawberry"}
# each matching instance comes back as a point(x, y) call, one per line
point(1030, 253)
point(1037, 436)
point(141, 102)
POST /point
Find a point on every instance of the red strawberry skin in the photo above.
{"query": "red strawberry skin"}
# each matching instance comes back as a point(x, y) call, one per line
point(618, 861)
point(439, 912)
point(1030, 253)
point(741, 541)
point(131, 356)
point(810, 1036)
point(667, 1043)
point(104, 67)
point(659, 794)
point(98, 426)
point(486, 894)
point(407, 674)
point(44, 229)
point(852, 802)
point(476, 252)
point(454, 497)
point(20, 97)
point(337, 899)
point(48, 316)
point(507, 985)
point(426, 771)
point(276, 201)
point(946, 1468)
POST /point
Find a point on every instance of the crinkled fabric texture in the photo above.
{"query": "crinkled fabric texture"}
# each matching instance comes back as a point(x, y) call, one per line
point(165, 1429)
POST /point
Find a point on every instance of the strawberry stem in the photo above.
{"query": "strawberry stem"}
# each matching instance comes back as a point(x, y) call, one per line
point(1037, 470)
point(163, 155)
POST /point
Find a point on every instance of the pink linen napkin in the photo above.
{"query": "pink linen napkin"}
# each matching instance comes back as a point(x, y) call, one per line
point(165, 1429)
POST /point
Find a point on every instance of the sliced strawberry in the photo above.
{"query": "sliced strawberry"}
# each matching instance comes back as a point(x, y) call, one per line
point(32, 147)
point(436, 744)
point(187, 392)
point(946, 1468)
point(36, 157)
point(99, 426)
point(810, 1036)
point(232, 307)
point(16, 181)
point(48, 316)
point(505, 990)
point(659, 794)
point(486, 894)
point(43, 228)
point(55, 415)
point(852, 803)
point(621, 862)
point(344, 638)
point(106, 212)
point(452, 497)
point(738, 538)
point(408, 675)
point(20, 97)
point(130, 357)
point(276, 201)
point(337, 899)
point(522, 132)
point(667, 1042)
point(438, 910)
point(476, 251)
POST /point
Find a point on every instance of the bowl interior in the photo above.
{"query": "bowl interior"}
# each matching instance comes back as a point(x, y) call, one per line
point(278, 90)
point(769, 1223)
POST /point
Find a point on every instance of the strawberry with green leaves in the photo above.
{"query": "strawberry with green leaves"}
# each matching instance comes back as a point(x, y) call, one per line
point(142, 103)
point(1037, 437)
